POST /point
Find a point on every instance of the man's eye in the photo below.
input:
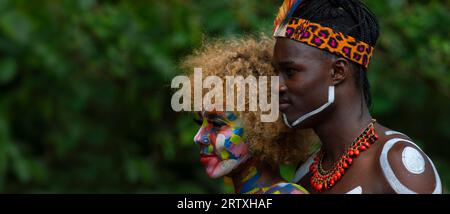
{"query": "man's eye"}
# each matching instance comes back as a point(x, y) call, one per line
point(198, 121)
point(290, 72)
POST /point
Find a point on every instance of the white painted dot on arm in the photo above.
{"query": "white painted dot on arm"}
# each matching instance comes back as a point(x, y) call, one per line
point(357, 190)
point(388, 172)
point(413, 160)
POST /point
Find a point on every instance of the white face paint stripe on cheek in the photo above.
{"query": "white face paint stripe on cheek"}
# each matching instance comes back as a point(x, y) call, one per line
point(220, 142)
point(331, 98)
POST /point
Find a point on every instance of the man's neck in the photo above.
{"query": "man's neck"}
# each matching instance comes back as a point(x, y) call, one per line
point(253, 175)
point(340, 129)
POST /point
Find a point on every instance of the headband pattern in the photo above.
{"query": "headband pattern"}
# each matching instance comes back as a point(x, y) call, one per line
point(326, 38)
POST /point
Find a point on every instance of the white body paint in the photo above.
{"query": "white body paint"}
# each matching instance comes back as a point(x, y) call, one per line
point(303, 169)
point(312, 113)
point(220, 142)
point(413, 160)
point(393, 132)
point(393, 181)
point(357, 190)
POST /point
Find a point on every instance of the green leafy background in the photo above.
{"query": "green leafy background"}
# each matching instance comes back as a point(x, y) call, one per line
point(85, 88)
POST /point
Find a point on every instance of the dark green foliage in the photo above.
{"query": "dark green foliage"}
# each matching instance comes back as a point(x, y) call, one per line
point(85, 88)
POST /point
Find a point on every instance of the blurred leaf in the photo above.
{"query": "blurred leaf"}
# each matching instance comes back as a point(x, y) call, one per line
point(7, 70)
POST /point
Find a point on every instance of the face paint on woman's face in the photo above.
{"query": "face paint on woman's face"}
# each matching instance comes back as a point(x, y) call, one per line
point(223, 146)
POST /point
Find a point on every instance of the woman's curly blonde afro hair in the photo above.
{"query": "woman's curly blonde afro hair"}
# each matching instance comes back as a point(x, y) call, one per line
point(273, 142)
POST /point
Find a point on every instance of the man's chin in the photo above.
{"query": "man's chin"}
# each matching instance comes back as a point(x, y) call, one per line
point(289, 118)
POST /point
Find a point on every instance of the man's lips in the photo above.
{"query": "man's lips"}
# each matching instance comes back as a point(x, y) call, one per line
point(284, 104)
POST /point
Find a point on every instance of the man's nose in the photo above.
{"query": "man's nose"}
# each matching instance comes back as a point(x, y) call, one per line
point(282, 87)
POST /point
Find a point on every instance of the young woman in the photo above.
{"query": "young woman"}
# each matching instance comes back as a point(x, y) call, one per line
point(238, 144)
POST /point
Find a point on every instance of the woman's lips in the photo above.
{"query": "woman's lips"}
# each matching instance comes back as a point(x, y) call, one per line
point(210, 162)
point(205, 159)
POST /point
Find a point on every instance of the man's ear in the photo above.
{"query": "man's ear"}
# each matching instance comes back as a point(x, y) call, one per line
point(340, 71)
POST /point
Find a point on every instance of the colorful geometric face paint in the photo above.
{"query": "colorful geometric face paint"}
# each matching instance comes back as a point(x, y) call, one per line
point(222, 143)
point(254, 183)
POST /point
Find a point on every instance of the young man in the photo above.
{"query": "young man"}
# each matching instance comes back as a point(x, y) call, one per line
point(322, 53)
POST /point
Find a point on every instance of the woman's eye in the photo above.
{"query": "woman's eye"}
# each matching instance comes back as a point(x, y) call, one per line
point(198, 121)
point(218, 123)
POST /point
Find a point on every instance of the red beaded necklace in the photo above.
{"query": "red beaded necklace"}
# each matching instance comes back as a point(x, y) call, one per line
point(325, 179)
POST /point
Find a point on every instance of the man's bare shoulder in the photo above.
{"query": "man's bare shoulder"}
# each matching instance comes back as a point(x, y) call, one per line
point(405, 167)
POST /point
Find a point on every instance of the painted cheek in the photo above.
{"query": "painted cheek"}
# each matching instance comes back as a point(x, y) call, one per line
point(209, 149)
point(238, 145)
point(212, 137)
point(220, 145)
point(238, 150)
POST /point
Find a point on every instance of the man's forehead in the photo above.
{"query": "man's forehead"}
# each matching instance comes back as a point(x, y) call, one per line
point(288, 51)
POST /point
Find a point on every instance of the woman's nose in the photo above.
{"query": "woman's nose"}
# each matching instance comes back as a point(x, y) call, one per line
point(201, 138)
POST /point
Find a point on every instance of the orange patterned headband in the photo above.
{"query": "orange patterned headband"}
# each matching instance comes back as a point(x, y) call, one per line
point(326, 38)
